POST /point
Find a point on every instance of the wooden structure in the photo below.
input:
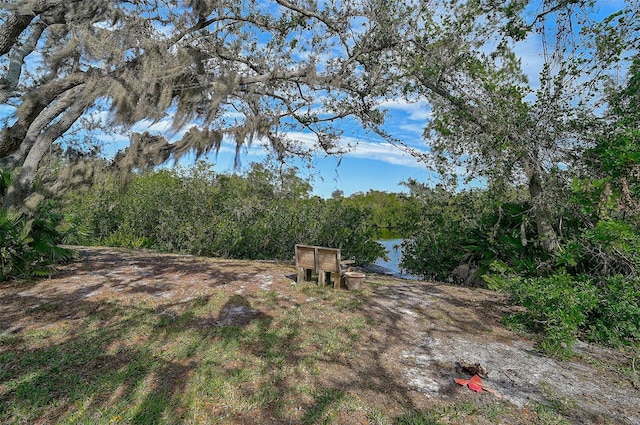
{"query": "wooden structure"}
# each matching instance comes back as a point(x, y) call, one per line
point(317, 259)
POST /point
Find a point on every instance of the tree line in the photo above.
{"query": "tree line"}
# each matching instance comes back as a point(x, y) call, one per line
point(260, 214)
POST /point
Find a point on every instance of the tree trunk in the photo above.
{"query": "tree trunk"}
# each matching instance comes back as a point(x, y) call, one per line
point(16, 60)
point(41, 122)
point(20, 19)
point(11, 30)
point(546, 233)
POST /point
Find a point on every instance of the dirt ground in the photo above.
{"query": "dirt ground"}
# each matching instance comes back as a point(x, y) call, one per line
point(422, 330)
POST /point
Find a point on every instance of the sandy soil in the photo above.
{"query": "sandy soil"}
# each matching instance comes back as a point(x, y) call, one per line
point(423, 329)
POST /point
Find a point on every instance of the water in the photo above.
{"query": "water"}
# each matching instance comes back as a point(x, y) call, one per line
point(392, 266)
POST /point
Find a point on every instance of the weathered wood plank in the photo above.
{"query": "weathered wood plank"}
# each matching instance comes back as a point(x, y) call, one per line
point(318, 259)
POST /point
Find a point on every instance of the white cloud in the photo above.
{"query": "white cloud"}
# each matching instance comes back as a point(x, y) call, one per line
point(162, 126)
point(418, 110)
point(306, 140)
point(412, 128)
point(385, 152)
point(530, 52)
point(360, 148)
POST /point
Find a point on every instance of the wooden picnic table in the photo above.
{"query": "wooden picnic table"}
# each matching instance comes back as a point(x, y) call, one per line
point(321, 260)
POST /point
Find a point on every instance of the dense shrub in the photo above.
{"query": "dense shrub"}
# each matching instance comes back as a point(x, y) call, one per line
point(615, 320)
point(351, 228)
point(393, 214)
point(611, 247)
point(442, 223)
point(508, 235)
point(557, 306)
point(260, 215)
point(562, 308)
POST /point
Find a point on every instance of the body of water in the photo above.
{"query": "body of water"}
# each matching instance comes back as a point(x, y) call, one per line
point(392, 266)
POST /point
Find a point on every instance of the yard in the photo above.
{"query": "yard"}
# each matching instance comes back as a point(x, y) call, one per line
point(132, 337)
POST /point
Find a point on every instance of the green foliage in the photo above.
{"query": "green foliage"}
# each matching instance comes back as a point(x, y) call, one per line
point(562, 307)
point(349, 227)
point(558, 306)
point(259, 215)
point(616, 318)
point(508, 235)
point(5, 181)
point(444, 226)
point(590, 286)
point(610, 187)
point(611, 247)
point(29, 245)
point(391, 213)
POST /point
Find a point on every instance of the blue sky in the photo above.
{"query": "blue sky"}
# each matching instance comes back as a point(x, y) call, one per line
point(371, 164)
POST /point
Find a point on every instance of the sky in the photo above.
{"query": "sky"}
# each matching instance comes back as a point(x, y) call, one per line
point(371, 164)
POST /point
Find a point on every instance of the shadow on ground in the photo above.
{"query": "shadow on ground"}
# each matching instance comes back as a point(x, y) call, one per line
point(130, 337)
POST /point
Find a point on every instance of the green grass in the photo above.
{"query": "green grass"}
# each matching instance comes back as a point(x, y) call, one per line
point(112, 363)
point(138, 365)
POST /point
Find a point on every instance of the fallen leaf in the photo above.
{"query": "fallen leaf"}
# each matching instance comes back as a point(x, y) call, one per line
point(494, 392)
point(475, 380)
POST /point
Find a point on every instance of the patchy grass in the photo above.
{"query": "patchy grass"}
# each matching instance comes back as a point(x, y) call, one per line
point(115, 350)
point(140, 365)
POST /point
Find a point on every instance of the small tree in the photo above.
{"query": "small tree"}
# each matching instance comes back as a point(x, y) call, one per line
point(488, 120)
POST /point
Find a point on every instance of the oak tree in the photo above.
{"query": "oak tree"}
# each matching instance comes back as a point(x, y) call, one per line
point(222, 69)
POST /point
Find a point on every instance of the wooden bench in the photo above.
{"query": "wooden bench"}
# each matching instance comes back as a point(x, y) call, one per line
point(321, 260)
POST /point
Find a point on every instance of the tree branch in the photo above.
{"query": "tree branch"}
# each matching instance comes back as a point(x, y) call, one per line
point(33, 105)
point(21, 186)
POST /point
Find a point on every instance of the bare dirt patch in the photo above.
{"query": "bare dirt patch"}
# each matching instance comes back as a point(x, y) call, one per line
point(451, 323)
point(405, 357)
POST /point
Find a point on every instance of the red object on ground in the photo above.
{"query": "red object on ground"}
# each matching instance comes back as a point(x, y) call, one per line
point(476, 384)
